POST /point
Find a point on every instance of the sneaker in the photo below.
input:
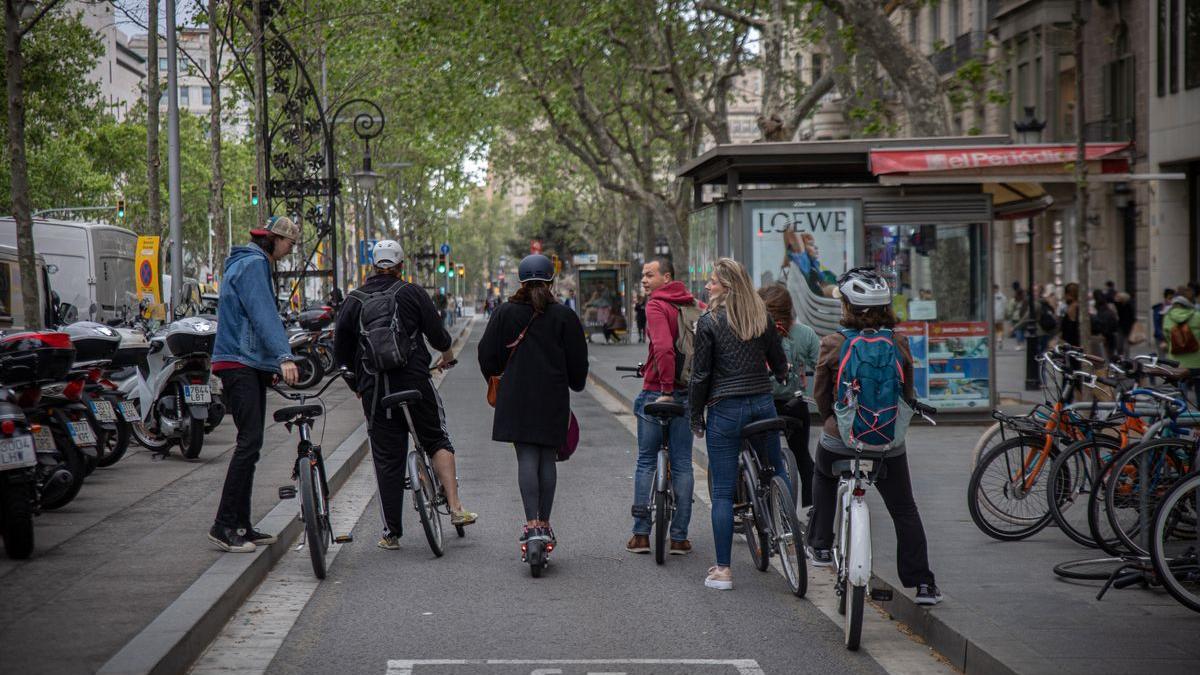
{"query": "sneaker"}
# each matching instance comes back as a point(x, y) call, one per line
point(525, 531)
point(638, 543)
point(259, 538)
point(230, 540)
point(681, 547)
point(389, 542)
point(463, 518)
point(820, 557)
point(722, 580)
point(928, 594)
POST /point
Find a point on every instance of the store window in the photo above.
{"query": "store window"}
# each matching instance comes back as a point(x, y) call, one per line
point(939, 276)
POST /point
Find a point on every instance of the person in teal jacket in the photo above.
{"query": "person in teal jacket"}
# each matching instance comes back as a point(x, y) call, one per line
point(1184, 311)
point(800, 345)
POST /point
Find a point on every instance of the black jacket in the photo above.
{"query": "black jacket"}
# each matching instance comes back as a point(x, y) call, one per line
point(533, 404)
point(417, 315)
point(723, 365)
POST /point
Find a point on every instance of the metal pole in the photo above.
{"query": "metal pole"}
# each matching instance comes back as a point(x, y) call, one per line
point(1033, 380)
point(210, 236)
point(173, 185)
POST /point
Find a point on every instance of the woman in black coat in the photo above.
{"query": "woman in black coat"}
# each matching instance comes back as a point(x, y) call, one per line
point(539, 347)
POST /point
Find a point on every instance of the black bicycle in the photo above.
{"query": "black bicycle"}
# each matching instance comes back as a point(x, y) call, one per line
point(308, 474)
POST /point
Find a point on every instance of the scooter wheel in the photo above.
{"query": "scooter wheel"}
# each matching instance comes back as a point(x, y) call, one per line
point(535, 555)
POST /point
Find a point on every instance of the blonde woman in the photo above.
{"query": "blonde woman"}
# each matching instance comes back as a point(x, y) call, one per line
point(730, 387)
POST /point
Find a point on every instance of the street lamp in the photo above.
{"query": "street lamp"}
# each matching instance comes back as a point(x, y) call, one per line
point(367, 125)
point(662, 248)
point(1029, 131)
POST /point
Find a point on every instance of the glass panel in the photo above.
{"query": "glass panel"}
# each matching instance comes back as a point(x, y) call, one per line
point(1161, 48)
point(702, 247)
point(1191, 45)
point(5, 292)
point(1023, 98)
point(1066, 98)
point(1173, 47)
point(938, 273)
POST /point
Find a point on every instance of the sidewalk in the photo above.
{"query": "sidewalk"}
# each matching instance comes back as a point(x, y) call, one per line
point(1005, 611)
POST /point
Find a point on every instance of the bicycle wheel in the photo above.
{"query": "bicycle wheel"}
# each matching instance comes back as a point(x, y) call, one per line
point(1097, 515)
point(1139, 478)
point(788, 536)
point(1004, 496)
point(1070, 482)
point(793, 472)
point(1175, 546)
point(425, 501)
point(1094, 569)
point(661, 522)
point(756, 539)
point(989, 439)
point(316, 526)
point(855, 605)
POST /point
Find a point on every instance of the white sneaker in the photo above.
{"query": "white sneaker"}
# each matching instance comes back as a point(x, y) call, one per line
point(720, 580)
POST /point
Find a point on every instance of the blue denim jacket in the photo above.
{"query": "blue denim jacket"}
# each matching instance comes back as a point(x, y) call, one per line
point(249, 330)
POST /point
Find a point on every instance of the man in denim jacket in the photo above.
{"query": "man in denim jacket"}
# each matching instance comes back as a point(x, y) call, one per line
point(250, 351)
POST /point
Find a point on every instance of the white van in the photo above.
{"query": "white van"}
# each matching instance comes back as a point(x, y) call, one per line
point(90, 264)
point(12, 304)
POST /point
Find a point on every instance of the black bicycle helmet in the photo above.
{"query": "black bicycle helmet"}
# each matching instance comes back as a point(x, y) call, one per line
point(536, 267)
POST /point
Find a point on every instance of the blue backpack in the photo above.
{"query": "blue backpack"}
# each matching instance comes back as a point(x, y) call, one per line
point(870, 407)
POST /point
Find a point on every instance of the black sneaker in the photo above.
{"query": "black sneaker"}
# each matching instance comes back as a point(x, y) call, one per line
point(259, 538)
point(230, 539)
point(928, 594)
point(820, 557)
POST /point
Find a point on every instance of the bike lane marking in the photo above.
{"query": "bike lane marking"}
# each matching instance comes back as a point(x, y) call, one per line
point(886, 641)
point(738, 666)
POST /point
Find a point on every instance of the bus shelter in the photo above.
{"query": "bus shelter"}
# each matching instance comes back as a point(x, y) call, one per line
point(920, 210)
point(602, 300)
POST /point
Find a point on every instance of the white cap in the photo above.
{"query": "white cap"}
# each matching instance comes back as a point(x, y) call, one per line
point(386, 254)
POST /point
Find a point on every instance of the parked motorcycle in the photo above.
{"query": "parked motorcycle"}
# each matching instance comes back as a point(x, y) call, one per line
point(172, 387)
point(18, 481)
point(96, 345)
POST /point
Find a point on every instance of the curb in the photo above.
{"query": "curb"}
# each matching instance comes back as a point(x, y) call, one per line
point(182, 631)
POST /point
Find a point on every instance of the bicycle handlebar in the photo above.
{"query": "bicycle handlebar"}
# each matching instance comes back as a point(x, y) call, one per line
point(304, 397)
point(629, 369)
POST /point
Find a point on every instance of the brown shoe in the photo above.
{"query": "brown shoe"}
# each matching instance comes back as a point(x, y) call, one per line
point(638, 543)
point(681, 547)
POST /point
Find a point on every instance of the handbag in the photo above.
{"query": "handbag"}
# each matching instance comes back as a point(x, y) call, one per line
point(493, 389)
point(568, 447)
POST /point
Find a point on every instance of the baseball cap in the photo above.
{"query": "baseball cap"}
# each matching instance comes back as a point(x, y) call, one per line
point(280, 226)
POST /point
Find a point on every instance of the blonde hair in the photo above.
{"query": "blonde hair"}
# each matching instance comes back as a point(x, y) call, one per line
point(744, 309)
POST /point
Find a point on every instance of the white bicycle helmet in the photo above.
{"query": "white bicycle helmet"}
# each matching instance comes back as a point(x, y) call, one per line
point(386, 254)
point(864, 287)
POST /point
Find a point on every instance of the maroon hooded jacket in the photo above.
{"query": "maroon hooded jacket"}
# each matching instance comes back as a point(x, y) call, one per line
point(662, 325)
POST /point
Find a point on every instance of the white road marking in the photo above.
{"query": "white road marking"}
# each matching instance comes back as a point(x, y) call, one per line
point(882, 638)
point(406, 667)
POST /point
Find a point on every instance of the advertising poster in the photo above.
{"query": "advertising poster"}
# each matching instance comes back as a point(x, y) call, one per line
point(918, 344)
point(957, 358)
point(599, 299)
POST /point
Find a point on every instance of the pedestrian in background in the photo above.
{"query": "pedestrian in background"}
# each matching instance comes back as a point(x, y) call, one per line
point(639, 313)
point(1160, 311)
point(251, 349)
point(1069, 321)
point(1046, 323)
point(730, 388)
point(1181, 325)
point(1105, 324)
point(1126, 317)
point(1018, 315)
point(999, 307)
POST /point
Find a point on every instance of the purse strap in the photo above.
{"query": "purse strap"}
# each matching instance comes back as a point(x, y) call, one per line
point(512, 347)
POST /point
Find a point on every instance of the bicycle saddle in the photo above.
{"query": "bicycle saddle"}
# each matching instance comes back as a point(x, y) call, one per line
point(845, 467)
point(309, 410)
point(393, 400)
point(763, 426)
point(665, 409)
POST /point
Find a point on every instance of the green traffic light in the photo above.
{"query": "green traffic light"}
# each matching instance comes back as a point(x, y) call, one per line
point(441, 269)
point(254, 200)
point(450, 274)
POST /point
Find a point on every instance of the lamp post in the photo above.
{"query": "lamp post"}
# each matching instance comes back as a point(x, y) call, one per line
point(367, 125)
point(1029, 131)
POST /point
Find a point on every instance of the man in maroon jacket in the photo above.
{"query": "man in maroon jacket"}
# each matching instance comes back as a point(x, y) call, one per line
point(662, 324)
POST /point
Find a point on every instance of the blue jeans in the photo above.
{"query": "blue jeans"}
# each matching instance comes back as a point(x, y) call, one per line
point(682, 478)
point(726, 418)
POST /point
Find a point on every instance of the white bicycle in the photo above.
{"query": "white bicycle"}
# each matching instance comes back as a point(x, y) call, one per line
point(852, 535)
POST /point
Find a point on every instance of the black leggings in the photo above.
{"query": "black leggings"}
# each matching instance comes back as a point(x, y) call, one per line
point(797, 442)
point(537, 476)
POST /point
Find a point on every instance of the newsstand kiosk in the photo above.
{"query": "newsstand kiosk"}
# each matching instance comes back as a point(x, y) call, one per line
point(920, 210)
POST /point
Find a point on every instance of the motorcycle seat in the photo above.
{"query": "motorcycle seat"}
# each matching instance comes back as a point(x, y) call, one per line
point(293, 413)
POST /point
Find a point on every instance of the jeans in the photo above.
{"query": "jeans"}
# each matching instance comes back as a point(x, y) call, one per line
point(724, 432)
point(912, 554)
point(683, 481)
point(246, 399)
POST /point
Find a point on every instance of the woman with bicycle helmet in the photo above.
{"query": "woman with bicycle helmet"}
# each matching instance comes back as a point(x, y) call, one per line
point(867, 307)
point(537, 347)
point(730, 387)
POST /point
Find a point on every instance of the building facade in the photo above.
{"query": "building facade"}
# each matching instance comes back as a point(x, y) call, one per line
point(121, 70)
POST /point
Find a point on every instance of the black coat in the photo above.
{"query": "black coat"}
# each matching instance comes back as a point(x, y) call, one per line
point(533, 404)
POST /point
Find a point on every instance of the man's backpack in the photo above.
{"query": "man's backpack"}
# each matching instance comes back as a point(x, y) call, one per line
point(383, 343)
point(870, 407)
point(1183, 340)
point(685, 339)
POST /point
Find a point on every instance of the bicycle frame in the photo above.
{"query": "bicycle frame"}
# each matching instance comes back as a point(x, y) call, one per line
point(852, 555)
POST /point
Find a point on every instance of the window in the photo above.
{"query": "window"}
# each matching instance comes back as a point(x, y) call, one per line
point(1160, 48)
point(1191, 45)
point(913, 26)
point(206, 95)
point(799, 65)
point(954, 19)
point(1173, 47)
point(935, 24)
point(162, 64)
point(203, 65)
point(817, 67)
point(183, 94)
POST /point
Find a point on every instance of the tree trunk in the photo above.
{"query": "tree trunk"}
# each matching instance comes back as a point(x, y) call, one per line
point(216, 199)
point(1083, 262)
point(771, 120)
point(910, 71)
point(19, 171)
point(153, 94)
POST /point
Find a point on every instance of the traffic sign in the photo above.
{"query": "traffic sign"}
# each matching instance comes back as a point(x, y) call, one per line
point(445, 249)
point(364, 251)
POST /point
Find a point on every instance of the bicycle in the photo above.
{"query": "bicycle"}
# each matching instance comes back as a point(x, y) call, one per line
point(309, 474)
point(852, 535)
point(1175, 545)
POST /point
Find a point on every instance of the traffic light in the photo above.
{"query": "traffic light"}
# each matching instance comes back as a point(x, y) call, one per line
point(450, 272)
point(441, 267)
point(462, 271)
point(121, 208)
point(253, 194)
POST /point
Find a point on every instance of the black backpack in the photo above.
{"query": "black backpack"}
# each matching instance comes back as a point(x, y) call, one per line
point(1046, 319)
point(383, 344)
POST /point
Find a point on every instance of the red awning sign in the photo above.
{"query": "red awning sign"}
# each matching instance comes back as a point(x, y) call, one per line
point(984, 157)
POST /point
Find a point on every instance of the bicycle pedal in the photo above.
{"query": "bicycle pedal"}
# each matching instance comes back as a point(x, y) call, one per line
point(287, 492)
point(343, 539)
point(881, 595)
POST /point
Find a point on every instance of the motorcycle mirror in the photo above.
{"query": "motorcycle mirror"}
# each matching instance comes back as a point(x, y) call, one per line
point(67, 313)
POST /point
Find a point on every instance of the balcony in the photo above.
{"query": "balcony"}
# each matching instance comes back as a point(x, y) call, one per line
point(1110, 131)
point(947, 59)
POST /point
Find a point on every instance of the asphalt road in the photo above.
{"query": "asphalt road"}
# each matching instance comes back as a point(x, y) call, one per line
point(597, 609)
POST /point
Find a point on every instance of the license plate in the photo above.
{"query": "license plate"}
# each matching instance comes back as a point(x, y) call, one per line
point(197, 393)
point(17, 452)
point(44, 440)
point(81, 433)
point(130, 412)
point(103, 410)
